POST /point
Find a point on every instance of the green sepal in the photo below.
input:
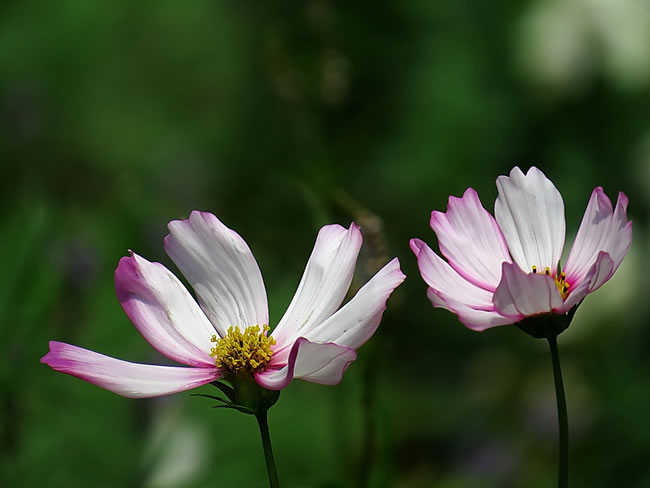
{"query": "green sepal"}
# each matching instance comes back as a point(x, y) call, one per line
point(239, 408)
point(224, 388)
point(248, 394)
point(245, 395)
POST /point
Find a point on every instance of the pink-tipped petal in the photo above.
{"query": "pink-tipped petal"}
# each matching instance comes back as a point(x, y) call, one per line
point(471, 240)
point(446, 282)
point(324, 283)
point(478, 320)
point(219, 265)
point(448, 290)
point(317, 363)
point(601, 271)
point(356, 322)
point(530, 213)
point(603, 228)
point(163, 311)
point(522, 294)
point(131, 380)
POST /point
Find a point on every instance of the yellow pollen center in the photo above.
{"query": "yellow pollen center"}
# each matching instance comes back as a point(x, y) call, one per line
point(560, 281)
point(249, 350)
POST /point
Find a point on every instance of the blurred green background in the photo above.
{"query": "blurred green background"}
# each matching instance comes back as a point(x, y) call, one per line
point(279, 117)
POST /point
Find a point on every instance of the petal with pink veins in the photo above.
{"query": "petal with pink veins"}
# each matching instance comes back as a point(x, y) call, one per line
point(324, 283)
point(219, 265)
point(470, 239)
point(357, 320)
point(603, 228)
point(309, 361)
point(446, 282)
point(530, 213)
point(163, 311)
point(522, 294)
point(131, 380)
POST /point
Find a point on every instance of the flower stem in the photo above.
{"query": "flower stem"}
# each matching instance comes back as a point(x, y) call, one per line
point(263, 422)
point(563, 467)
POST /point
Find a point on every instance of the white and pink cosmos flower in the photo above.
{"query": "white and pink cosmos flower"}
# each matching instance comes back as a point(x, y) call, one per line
point(500, 271)
point(314, 341)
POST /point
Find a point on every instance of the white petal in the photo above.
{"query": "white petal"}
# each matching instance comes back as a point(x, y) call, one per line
point(324, 283)
point(446, 282)
point(163, 311)
point(471, 240)
point(131, 380)
point(354, 323)
point(530, 213)
point(602, 229)
point(219, 265)
point(522, 294)
point(323, 363)
point(478, 320)
point(317, 363)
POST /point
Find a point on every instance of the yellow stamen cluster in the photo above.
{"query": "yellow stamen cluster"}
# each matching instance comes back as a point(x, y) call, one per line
point(562, 285)
point(249, 350)
point(560, 281)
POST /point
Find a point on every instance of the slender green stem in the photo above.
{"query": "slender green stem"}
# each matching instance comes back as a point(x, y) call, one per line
point(563, 467)
point(263, 422)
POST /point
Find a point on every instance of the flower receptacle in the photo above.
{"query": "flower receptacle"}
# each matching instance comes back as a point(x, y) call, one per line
point(544, 326)
point(245, 395)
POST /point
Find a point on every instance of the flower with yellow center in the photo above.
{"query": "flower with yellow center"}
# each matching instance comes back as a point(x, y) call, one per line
point(238, 351)
point(502, 270)
point(225, 334)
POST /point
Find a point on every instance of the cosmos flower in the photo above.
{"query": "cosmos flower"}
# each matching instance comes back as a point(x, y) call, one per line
point(225, 334)
point(500, 271)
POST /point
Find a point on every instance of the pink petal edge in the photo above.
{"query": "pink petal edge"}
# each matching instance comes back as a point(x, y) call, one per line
point(476, 320)
point(471, 240)
point(131, 380)
point(603, 228)
point(447, 283)
point(522, 294)
point(163, 311)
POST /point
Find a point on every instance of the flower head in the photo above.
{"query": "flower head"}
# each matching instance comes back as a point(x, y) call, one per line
point(500, 271)
point(224, 333)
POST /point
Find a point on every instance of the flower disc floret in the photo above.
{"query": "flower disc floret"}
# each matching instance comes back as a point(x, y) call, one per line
point(243, 351)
